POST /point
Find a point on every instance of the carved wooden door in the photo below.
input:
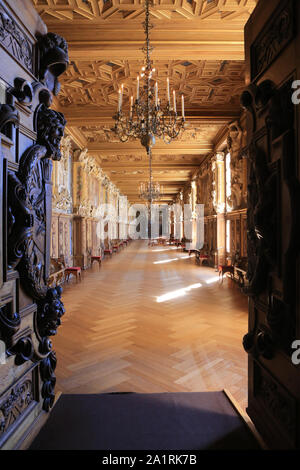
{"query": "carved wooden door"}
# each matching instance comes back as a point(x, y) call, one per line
point(272, 56)
point(30, 134)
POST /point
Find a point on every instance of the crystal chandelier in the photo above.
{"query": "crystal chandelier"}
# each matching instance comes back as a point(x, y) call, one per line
point(150, 191)
point(147, 118)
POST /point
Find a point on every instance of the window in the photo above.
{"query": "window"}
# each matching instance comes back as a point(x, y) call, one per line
point(228, 179)
point(228, 236)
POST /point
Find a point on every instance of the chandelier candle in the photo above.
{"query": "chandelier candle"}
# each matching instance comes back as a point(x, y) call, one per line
point(182, 106)
point(138, 88)
point(174, 102)
point(168, 90)
point(119, 101)
point(131, 106)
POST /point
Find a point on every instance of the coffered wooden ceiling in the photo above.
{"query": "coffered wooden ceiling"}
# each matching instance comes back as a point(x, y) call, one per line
point(96, 10)
point(198, 44)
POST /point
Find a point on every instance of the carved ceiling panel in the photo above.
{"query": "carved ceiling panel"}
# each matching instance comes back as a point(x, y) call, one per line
point(198, 44)
point(204, 84)
point(98, 134)
point(159, 159)
point(99, 10)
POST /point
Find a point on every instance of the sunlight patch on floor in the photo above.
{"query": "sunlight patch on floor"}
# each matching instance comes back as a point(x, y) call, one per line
point(212, 280)
point(170, 260)
point(177, 293)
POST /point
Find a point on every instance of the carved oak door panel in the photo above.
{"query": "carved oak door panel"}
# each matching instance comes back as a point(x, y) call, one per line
point(272, 56)
point(30, 134)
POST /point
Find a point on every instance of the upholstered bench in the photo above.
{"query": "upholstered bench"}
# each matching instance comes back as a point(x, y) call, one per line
point(75, 270)
point(96, 258)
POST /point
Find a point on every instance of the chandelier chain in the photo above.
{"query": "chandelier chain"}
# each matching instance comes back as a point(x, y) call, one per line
point(148, 118)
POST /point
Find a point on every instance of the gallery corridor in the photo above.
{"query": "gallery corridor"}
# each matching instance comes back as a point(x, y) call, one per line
point(150, 320)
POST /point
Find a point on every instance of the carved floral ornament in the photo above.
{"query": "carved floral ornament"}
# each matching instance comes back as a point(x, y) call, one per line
point(91, 166)
point(62, 201)
point(66, 145)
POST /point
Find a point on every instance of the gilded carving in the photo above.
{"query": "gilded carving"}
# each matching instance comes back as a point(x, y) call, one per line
point(204, 184)
point(61, 195)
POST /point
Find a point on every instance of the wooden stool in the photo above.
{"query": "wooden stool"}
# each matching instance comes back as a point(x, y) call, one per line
point(74, 270)
point(96, 258)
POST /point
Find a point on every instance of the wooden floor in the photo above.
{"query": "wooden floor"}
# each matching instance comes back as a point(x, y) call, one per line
point(130, 326)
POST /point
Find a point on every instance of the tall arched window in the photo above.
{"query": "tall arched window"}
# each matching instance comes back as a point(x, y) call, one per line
point(228, 180)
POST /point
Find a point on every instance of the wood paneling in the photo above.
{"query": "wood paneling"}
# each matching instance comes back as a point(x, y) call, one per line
point(273, 228)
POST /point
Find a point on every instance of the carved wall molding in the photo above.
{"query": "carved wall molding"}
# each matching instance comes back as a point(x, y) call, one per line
point(14, 40)
point(280, 405)
point(19, 399)
point(274, 38)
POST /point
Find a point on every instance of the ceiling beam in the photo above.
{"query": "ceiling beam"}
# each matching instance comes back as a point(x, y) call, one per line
point(187, 40)
point(146, 178)
point(91, 115)
point(132, 148)
point(170, 167)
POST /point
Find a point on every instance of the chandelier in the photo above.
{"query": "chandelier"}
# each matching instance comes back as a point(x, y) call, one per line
point(150, 192)
point(148, 118)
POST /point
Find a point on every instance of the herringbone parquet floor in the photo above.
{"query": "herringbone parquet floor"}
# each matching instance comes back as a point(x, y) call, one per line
point(130, 326)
